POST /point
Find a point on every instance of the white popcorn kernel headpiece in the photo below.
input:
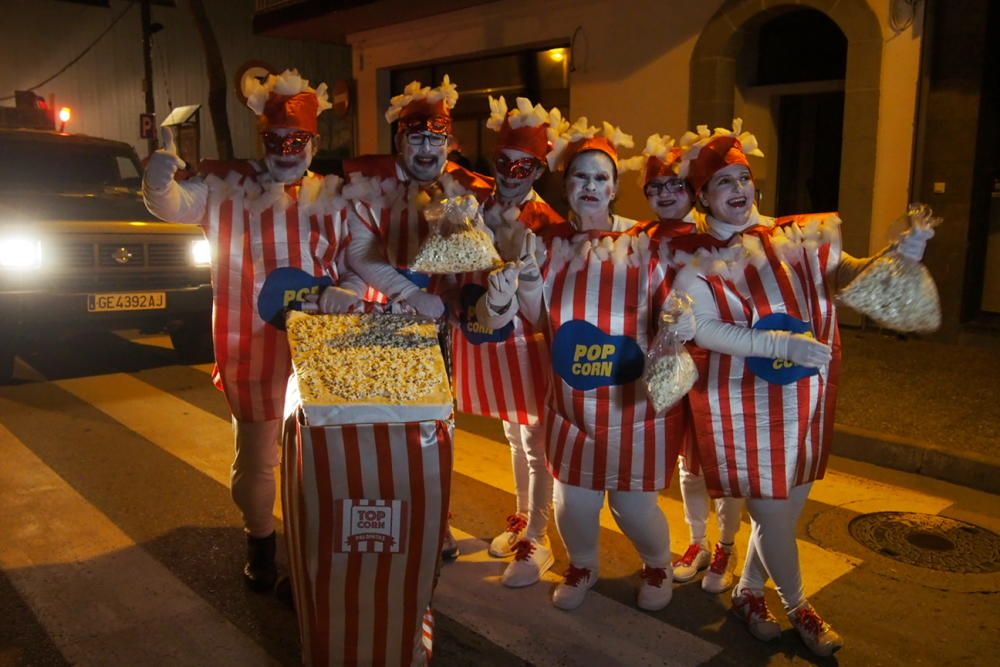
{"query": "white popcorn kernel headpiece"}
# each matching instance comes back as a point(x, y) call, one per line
point(422, 103)
point(286, 100)
point(526, 128)
point(706, 152)
point(581, 136)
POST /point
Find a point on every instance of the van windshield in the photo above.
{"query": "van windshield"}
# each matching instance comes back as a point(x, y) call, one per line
point(65, 167)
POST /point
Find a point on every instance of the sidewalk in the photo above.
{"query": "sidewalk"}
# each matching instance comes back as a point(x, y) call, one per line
point(923, 407)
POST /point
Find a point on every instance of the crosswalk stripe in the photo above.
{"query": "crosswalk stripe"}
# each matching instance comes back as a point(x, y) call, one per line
point(601, 632)
point(92, 588)
point(489, 462)
point(192, 435)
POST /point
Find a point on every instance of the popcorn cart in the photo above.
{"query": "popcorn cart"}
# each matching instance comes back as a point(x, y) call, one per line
point(366, 477)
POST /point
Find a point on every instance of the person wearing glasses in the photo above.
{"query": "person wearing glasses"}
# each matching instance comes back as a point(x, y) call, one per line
point(275, 237)
point(501, 373)
point(671, 199)
point(602, 284)
point(387, 225)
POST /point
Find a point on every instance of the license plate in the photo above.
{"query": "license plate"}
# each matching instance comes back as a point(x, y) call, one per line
point(119, 301)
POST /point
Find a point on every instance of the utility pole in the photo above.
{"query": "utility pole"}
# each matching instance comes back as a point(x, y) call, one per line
point(147, 64)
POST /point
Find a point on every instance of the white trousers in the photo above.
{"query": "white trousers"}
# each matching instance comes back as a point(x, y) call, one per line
point(252, 484)
point(578, 513)
point(694, 492)
point(772, 551)
point(532, 479)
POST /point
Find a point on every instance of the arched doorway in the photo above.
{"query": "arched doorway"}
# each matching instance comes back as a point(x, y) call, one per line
point(719, 65)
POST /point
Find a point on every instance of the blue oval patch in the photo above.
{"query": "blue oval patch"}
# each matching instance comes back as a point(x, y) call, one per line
point(780, 371)
point(587, 358)
point(477, 333)
point(285, 289)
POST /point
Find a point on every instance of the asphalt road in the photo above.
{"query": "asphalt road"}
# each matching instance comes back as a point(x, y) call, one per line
point(120, 546)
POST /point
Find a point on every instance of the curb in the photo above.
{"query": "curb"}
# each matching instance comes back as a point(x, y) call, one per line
point(891, 451)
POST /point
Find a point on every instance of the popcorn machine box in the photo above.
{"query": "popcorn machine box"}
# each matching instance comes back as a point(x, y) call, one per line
point(366, 477)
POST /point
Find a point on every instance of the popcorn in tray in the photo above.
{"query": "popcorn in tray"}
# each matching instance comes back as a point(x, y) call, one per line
point(368, 368)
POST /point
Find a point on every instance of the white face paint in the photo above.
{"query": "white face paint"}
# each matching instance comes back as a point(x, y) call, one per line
point(672, 202)
point(591, 184)
point(289, 168)
point(510, 188)
point(424, 163)
point(729, 195)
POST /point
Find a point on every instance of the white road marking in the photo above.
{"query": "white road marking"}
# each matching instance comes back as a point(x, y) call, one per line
point(101, 598)
point(601, 632)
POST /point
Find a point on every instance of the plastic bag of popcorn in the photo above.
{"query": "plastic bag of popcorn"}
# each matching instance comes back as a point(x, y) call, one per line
point(670, 371)
point(458, 241)
point(895, 291)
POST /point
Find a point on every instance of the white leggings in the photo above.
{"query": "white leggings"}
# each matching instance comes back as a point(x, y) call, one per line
point(252, 483)
point(772, 551)
point(532, 479)
point(694, 492)
point(578, 513)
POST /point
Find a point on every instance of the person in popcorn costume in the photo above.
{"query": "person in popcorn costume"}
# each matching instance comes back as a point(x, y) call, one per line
point(672, 200)
point(501, 373)
point(389, 194)
point(603, 285)
point(768, 353)
point(275, 231)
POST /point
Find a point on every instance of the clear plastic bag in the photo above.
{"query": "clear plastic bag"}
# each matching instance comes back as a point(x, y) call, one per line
point(895, 291)
point(458, 241)
point(670, 371)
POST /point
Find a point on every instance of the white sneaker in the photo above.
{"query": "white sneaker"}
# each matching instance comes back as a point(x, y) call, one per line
point(570, 593)
point(503, 544)
point(814, 631)
point(656, 589)
point(531, 560)
point(694, 560)
point(720, 573)
point(752, 608)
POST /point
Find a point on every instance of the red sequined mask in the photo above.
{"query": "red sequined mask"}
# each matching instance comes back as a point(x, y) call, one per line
point(290, 144)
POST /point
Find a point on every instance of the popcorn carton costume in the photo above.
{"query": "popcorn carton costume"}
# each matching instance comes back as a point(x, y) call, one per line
point(272, 243)
point(601, 290)
point(768, 349)
point(502, 373)
point(661, 158)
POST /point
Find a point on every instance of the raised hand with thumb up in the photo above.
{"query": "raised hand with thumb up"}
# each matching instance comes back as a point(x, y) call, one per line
point(163, 163)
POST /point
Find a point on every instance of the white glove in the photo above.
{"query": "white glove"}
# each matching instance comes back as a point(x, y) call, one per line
point(426, 304)
point(807, 351)
point(501, 288)
point(913, 242)
point(529, 270)
point(686, 326)
point(334, 300)
point(163, 163)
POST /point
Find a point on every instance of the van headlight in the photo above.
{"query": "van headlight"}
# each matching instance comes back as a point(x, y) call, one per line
point(201, 253)
point(18, 253)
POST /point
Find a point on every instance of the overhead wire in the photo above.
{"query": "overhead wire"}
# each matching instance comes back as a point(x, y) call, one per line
point(75, 60)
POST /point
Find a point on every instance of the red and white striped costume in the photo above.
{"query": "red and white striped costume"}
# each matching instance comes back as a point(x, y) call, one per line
point(758, 439)
point(507, 378)
point(254, 230)
point(365, 601)
point(607, 437)
point(397, 213)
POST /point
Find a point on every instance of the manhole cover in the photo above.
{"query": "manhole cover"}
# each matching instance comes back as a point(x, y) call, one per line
point(930, 541)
